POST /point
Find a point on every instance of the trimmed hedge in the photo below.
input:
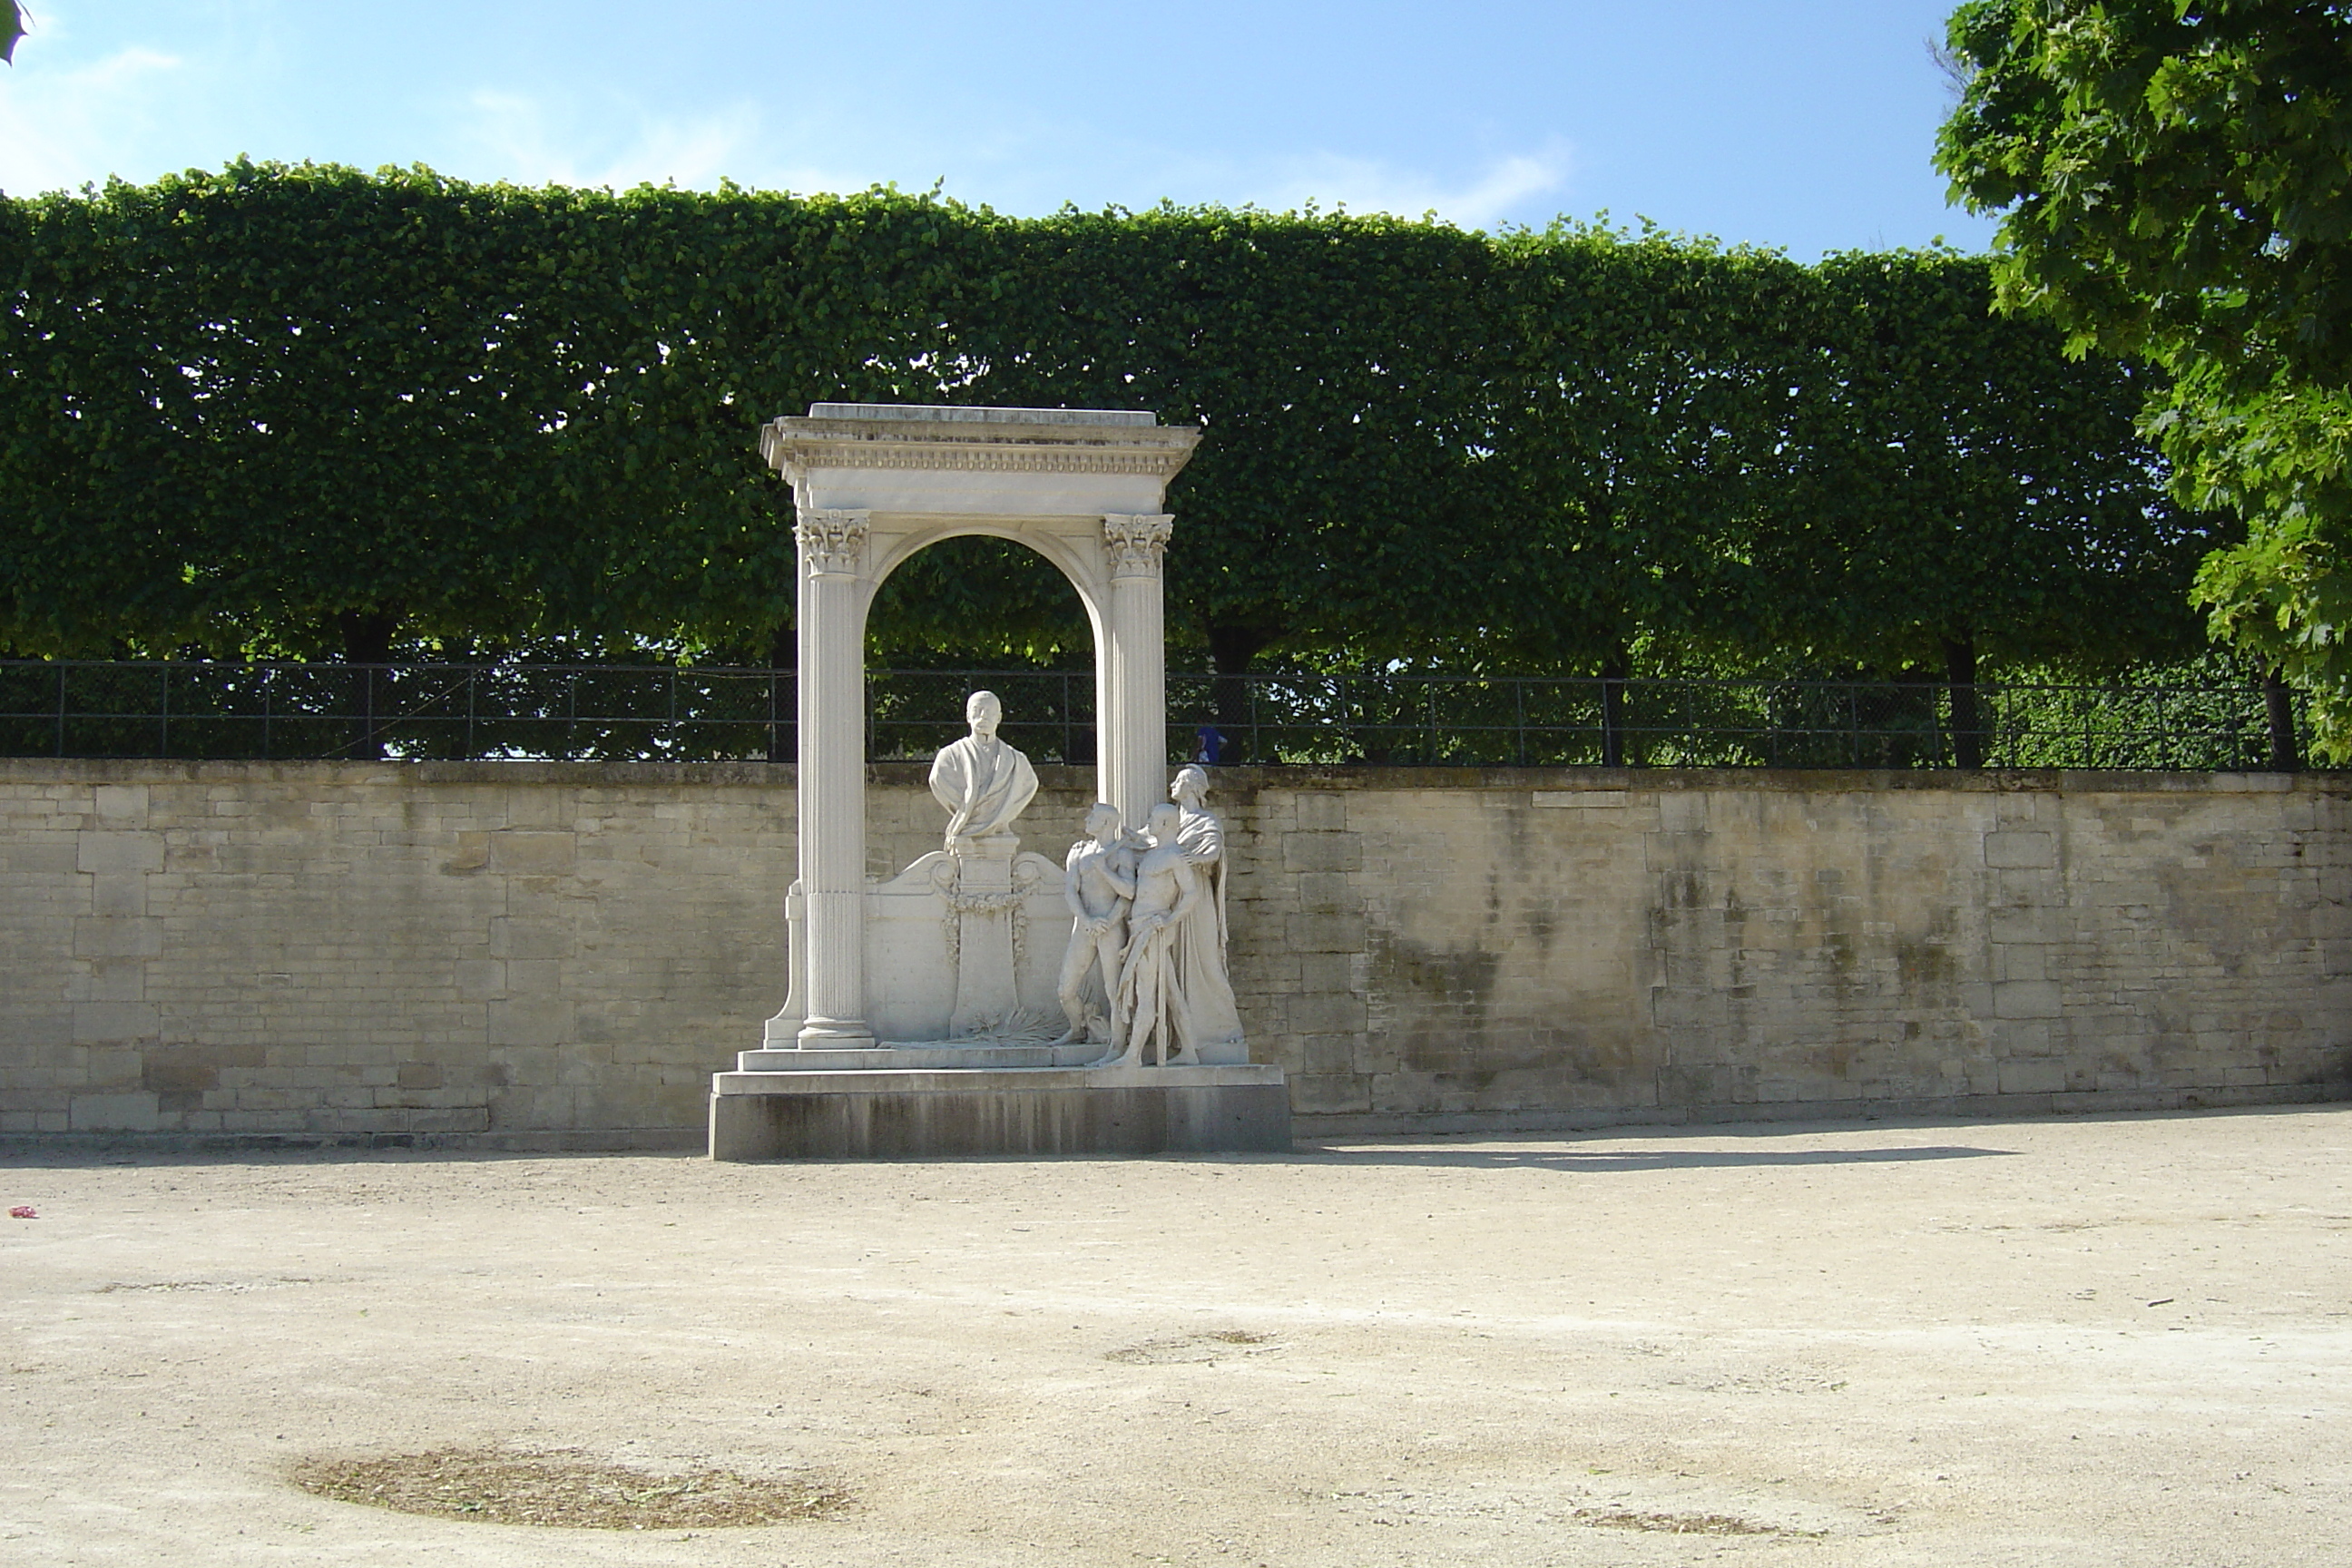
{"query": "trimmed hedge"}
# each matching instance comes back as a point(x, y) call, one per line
point(309, 410)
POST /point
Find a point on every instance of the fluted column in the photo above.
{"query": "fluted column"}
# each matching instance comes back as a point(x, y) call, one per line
point(1132, 724)
point(833, 776)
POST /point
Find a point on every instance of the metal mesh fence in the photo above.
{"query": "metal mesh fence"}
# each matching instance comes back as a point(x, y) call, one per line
point(1529, 722)
point(685, 713)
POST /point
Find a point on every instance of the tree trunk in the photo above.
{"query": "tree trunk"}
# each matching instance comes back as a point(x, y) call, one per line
point(1613, 672)
point(1968, 723)
point(367, 635)
point(2278, 707)
point(367, 642)
point(1231, 649)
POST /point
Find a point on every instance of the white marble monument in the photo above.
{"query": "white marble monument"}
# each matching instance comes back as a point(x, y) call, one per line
point(932, 1012)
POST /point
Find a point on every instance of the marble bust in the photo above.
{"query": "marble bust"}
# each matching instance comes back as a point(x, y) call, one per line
point(983, 782)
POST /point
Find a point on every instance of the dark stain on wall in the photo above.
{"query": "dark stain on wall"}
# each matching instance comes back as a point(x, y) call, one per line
point(1924, 967)
point(1450, 978)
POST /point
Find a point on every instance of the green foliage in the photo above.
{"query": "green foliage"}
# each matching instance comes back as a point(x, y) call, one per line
point(2175, 178)
point(248, 408)
point(2174, 174)
point(1651, 390)
point(309, 410)
point(2283, 596)
point(1343, 369)
point(12, 27)
point(1959, 489)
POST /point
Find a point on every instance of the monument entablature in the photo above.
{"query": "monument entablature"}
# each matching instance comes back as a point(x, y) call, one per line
point(1047, 477)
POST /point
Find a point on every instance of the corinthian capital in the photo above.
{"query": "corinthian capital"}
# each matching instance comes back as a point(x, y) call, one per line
point(1137, 541)
point(831, 541)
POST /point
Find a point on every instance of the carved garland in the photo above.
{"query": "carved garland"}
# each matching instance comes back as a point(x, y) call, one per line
point(948, 877)
point(831, 541)
point(1137, 541)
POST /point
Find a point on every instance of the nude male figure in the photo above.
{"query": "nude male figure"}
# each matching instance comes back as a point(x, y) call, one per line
point(1097, 883)
point(1150, 994)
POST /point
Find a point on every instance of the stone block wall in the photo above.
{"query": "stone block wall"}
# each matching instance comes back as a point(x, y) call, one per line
point(347, 949)
point(563, 952)
point(1506, 949)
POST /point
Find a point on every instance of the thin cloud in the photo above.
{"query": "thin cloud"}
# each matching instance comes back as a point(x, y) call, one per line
point(1504, 191)
point(530, 140)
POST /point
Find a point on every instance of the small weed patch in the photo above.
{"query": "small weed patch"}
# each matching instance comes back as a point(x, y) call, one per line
point(563, 1489)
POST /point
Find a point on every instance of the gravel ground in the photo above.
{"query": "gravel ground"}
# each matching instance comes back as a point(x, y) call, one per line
point(2101, 1341)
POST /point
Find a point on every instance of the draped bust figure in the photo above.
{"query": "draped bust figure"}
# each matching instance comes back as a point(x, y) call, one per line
point(982, 781)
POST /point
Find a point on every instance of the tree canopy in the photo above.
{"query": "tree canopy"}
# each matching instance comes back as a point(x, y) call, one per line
point(311, 411)
point(2174, 180)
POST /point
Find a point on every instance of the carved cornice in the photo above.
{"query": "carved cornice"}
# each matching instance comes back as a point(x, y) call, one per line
point(831, 541)
point(796, 444)
point(999, 459)
point(1137, 541)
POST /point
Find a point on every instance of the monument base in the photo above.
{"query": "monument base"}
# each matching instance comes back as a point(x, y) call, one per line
point(919, 1112)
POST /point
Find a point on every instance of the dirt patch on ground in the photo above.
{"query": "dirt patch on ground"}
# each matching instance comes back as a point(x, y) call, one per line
point(1176, 1350)
point(494, 1487)
point(1685, 1524)
point(120, 1286)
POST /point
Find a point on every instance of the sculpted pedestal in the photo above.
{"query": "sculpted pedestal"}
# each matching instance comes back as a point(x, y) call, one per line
point(990, 935)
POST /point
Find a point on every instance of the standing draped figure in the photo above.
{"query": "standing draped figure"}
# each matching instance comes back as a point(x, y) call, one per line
point(1212, 1020)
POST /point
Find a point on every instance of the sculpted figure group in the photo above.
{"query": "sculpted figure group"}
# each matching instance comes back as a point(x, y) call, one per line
point(1147, 910)
point(1148, 914)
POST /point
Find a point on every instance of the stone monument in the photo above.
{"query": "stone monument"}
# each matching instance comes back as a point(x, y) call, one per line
point(921, 1017)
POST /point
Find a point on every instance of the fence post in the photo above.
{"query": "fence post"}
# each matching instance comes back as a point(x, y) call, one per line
point(61, 709)
point(364, 743)
point(776, 715)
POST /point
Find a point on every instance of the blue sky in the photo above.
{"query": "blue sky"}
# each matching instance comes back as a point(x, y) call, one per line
point(1805, 124)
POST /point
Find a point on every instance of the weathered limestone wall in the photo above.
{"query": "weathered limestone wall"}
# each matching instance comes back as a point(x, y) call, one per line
point(1514, 949)
point(528, 953)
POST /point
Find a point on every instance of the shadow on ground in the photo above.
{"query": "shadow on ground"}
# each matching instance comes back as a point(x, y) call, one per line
point(1635, 1160)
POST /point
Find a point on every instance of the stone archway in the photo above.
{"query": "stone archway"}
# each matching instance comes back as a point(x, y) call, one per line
point(873, 484)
